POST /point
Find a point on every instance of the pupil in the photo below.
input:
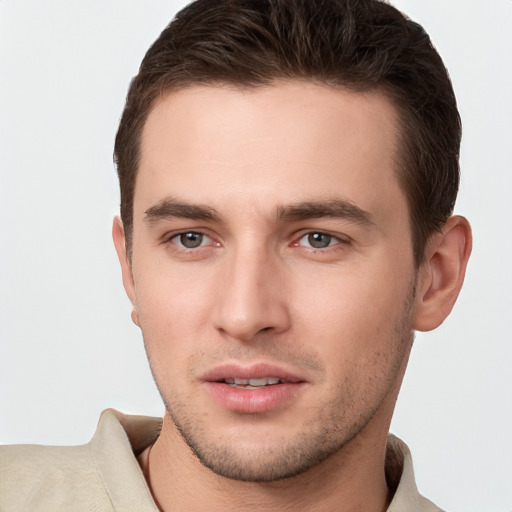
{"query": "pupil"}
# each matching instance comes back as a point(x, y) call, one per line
point(191, 240)
point(319, 240)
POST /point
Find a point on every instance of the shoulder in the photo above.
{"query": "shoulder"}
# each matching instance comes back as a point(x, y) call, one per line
point(50, 478)
point(101, 475)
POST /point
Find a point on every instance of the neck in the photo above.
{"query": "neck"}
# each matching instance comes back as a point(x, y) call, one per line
point(352, 479)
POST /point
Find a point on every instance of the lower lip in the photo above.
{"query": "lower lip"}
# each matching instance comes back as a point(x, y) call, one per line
point(253, 401)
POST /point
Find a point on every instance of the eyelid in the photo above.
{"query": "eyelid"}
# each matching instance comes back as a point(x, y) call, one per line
point(173, 237)
point(340, 240)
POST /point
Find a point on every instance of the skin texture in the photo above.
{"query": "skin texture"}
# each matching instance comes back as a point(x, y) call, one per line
point(271, 277)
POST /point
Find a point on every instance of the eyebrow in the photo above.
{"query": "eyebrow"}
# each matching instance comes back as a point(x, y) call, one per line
point(169, 208)
point(333, 208)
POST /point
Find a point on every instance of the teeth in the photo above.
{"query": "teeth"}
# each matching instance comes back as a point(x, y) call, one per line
point(258, 382)
point(265, 381)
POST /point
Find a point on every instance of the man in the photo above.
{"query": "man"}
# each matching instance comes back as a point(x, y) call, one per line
point(288, 171)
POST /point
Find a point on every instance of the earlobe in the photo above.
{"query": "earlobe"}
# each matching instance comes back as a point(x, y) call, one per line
point(441, 276)
point(119, 238)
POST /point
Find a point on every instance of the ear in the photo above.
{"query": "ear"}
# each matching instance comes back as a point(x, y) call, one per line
point(441, 276)
point(126, 268)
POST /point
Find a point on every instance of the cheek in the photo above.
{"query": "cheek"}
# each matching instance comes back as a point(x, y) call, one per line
point(173, 307)
point(353, 316)
point(363, 338)
point(172, 318)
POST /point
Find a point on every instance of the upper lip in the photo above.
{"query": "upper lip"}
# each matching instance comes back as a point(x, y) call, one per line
point(252, 371)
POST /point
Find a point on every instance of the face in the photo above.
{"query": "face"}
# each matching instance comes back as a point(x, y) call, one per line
point(272, 272)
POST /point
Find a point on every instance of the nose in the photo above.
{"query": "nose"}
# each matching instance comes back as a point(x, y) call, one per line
point(252, 297)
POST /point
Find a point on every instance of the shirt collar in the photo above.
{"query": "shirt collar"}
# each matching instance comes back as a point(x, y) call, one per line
point(121, 437)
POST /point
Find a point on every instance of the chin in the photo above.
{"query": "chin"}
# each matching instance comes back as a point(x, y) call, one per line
point(257, 453)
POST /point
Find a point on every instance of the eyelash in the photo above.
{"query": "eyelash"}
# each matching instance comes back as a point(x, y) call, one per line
point(333, 241)
point(176, 239)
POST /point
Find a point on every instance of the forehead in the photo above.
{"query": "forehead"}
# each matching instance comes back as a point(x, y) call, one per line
point(283, 143)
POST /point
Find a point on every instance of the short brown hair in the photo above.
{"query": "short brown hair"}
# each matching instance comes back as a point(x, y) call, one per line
point(358, 45)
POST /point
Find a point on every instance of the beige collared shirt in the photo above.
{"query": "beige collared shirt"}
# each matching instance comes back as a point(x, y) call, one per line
point(104, 475)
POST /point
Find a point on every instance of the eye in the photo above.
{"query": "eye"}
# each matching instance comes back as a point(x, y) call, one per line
point(318, 240)
point(191, 240)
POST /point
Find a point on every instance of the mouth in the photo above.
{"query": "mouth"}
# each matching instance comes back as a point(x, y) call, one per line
point(255, 375)
point(256, 389)
point(254, 383)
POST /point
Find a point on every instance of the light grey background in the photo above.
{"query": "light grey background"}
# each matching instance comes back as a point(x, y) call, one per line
point(67, 346)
